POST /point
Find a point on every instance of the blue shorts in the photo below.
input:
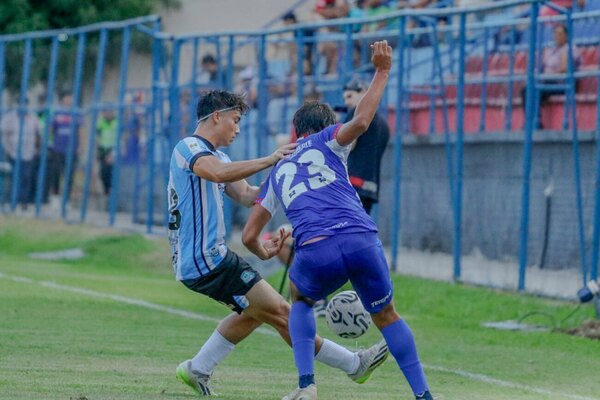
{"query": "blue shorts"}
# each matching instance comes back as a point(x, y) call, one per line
point(322, 267)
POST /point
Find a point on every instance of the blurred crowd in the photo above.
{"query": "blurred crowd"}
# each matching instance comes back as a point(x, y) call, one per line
point(22, 137)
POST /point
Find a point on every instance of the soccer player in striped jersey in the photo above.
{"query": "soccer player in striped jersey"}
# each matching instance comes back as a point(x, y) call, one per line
point(335, 239)
point(200, 175)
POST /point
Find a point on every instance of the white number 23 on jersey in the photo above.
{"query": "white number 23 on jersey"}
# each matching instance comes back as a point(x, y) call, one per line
point(321, 175)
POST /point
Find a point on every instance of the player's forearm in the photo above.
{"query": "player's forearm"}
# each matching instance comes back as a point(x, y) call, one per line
point(249, 196)
point(254, 244)
point(367, 107)
point(238, 170)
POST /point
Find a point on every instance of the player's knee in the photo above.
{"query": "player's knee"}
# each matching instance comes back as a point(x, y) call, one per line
point(386, 316)
point(279, 314)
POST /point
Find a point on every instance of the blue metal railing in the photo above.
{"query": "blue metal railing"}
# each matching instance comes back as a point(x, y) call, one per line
point(76, 112)
point(441, 67)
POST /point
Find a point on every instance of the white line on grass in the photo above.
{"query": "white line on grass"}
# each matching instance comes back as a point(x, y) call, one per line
point(498, 382)
point(126, 300)
point(200, 317)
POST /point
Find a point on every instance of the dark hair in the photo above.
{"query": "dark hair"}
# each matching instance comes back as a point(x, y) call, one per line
point(356, 85)
point(64, 93)
point(290, 16)
point(214, 100)
point(313, 117)
point(563, 27)
point(209, 59)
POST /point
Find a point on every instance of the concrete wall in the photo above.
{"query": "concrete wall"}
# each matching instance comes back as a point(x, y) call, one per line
point(492, 185)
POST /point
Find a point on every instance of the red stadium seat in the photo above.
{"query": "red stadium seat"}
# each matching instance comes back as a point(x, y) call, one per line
point(498, 64)
point(520, 61)
point(474, 65)
point(589, 56)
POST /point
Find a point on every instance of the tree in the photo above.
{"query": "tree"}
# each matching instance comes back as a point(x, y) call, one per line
point(17, 16)
point(28, 15)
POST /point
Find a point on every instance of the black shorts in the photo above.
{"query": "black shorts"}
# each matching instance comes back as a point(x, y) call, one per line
point(228, 283)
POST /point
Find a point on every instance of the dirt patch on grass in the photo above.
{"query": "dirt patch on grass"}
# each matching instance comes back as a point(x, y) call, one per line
point(589, 329)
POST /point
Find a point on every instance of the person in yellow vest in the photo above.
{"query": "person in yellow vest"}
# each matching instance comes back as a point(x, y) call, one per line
point(106, 129)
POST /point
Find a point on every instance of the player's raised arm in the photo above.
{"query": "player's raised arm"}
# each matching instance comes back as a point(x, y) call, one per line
point(366, 108)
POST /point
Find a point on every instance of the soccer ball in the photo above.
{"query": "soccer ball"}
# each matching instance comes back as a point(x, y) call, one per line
point(346, 316)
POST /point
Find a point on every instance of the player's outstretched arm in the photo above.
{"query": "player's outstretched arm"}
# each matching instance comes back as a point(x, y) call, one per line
point(215, 170)
point(258, 219)
point(366, 108)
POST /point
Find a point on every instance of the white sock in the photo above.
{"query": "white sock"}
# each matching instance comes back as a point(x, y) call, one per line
point(212, 353)
point(337, 356)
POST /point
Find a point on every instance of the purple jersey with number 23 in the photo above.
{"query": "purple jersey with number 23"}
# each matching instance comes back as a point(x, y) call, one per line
point(312, 186)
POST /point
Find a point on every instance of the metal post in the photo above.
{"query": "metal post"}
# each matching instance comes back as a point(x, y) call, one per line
point(449, 159)
point(193, 88)
point(2, 66)
point(300, 66)
point(174, 123)
point(527, 146)
point(409, 50)
point(220, 74)
point(75, 124)
point(596, 234)
point(398, 147)
point(262, 100)
point(230, 61)
point(22, 113)
point(576, 163)
point(349, 52)
point(41, 178)
point(150, 146)
point(483, 104)
point(114, 192)
point(511, 74)
point(92, 138)
point(460, 132)
point(432, 105)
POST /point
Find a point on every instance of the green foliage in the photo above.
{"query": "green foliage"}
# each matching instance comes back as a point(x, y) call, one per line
point(17, 16)
point(27, 15)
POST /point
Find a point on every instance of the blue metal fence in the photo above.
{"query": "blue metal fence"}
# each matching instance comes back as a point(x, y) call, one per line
point(451, 79)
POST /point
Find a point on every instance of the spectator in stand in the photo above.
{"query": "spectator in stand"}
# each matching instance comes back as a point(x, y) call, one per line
point(65, 132)
point(209, 72)
point(330, 9)
point(11, 125)
point(358, 11)
point(554, 62)
point(134, 118)
point(290, 20)
point(248, 85)
point(364, 161)
point(106, 129)
point(375, 8)
point(423, 40)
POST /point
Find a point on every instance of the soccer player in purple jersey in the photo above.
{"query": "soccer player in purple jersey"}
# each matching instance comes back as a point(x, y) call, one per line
point(335, 238)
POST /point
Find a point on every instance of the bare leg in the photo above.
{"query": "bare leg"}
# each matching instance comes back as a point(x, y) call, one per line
point(237, 327)
point(266, 305)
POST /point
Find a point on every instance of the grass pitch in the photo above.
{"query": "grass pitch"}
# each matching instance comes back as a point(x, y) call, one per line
point(114, 325)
